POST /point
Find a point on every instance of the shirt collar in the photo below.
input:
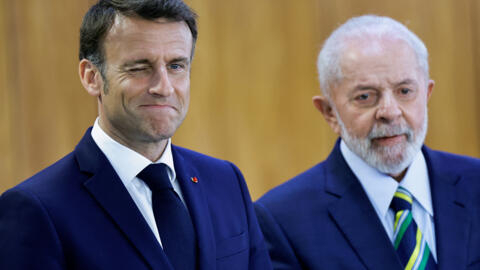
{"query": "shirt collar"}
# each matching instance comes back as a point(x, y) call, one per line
point(126, 162)
point(416, 181)
point(380, 187)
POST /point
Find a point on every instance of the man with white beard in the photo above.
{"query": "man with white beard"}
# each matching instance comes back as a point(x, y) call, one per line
point(381, 200)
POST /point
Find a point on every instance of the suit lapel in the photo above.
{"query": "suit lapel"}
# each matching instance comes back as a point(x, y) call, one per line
point(356, 217)
point(107, 189)
point(451, 217)
point(195, 198)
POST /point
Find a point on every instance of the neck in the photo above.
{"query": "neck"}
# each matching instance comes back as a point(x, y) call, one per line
point(151, 150)
point(399, 177)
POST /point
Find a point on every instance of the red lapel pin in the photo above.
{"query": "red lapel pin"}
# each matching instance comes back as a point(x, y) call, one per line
point(194, 179)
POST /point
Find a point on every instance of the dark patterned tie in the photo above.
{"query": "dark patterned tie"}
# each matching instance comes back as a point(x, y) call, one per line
point(411, 246)
point(173, 221)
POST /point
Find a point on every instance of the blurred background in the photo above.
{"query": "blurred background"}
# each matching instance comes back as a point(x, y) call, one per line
point(253, 77)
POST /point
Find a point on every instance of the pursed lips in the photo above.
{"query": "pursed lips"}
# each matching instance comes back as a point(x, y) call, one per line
point(389, 140)
point(158, 107)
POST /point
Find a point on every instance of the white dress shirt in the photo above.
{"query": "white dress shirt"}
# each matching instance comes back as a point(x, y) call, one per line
point(380, 189)
point(127, 164)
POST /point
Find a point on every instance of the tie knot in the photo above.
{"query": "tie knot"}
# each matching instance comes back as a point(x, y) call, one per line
point(156, 177)
point(402, 200)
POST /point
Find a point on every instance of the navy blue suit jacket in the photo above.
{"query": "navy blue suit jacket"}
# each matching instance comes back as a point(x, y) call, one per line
point(77, 214)
point(323, 219)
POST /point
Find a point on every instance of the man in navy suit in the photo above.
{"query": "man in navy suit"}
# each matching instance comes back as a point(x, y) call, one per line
point(337, 215)
point(94, 208)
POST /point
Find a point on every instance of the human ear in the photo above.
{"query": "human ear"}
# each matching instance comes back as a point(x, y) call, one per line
point(90, 77)
point(323, 106)
point(430, 86)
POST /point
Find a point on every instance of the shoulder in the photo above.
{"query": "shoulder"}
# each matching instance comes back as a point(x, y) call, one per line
point(195, 156)
point(452, 163)
point(50, 179)
point(202, 161)
point(304, 186)
point(34, 198)
point(458, 171)
point(219, 177)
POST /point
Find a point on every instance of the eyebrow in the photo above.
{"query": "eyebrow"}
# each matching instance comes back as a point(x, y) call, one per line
point(146, 61)
point(364, 87)
point(180, 59)
point(135, 62)
point(406, 81)
point(361, 87)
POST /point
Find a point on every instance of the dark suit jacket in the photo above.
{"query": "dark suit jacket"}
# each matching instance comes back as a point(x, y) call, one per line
point(323, 219)
point(77, 214)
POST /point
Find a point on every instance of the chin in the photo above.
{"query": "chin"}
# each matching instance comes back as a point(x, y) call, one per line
point(162, 135)
point(386, 159)
point(161, 129)
point(393, 160)
point(392, 165)
point(154, 135)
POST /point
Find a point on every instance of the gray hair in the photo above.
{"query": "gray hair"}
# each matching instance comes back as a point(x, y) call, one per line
point(328, 63)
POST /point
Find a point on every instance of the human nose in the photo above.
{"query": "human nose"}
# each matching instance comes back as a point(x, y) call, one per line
point(388, 108)
point(161, 83)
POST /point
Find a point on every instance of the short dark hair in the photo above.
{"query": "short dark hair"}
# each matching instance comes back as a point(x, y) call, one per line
point(101, 16)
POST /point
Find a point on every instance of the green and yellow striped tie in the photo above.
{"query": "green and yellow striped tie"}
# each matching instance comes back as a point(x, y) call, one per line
point(411, 246)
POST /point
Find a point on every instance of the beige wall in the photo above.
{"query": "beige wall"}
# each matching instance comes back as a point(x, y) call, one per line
point(252, 81)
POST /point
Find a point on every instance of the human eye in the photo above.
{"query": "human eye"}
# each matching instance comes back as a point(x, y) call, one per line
point(177, 66)
point(138, 69)
point(406, 92)
point(365, 98)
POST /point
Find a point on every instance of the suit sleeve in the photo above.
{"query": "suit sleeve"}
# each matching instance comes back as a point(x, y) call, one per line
point(28, 239)
point(281, 252)
point(259, 259)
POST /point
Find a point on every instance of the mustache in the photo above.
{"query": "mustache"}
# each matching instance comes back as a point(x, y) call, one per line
point(384, 130)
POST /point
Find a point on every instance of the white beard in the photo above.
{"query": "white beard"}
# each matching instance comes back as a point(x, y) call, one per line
point(389, 160)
